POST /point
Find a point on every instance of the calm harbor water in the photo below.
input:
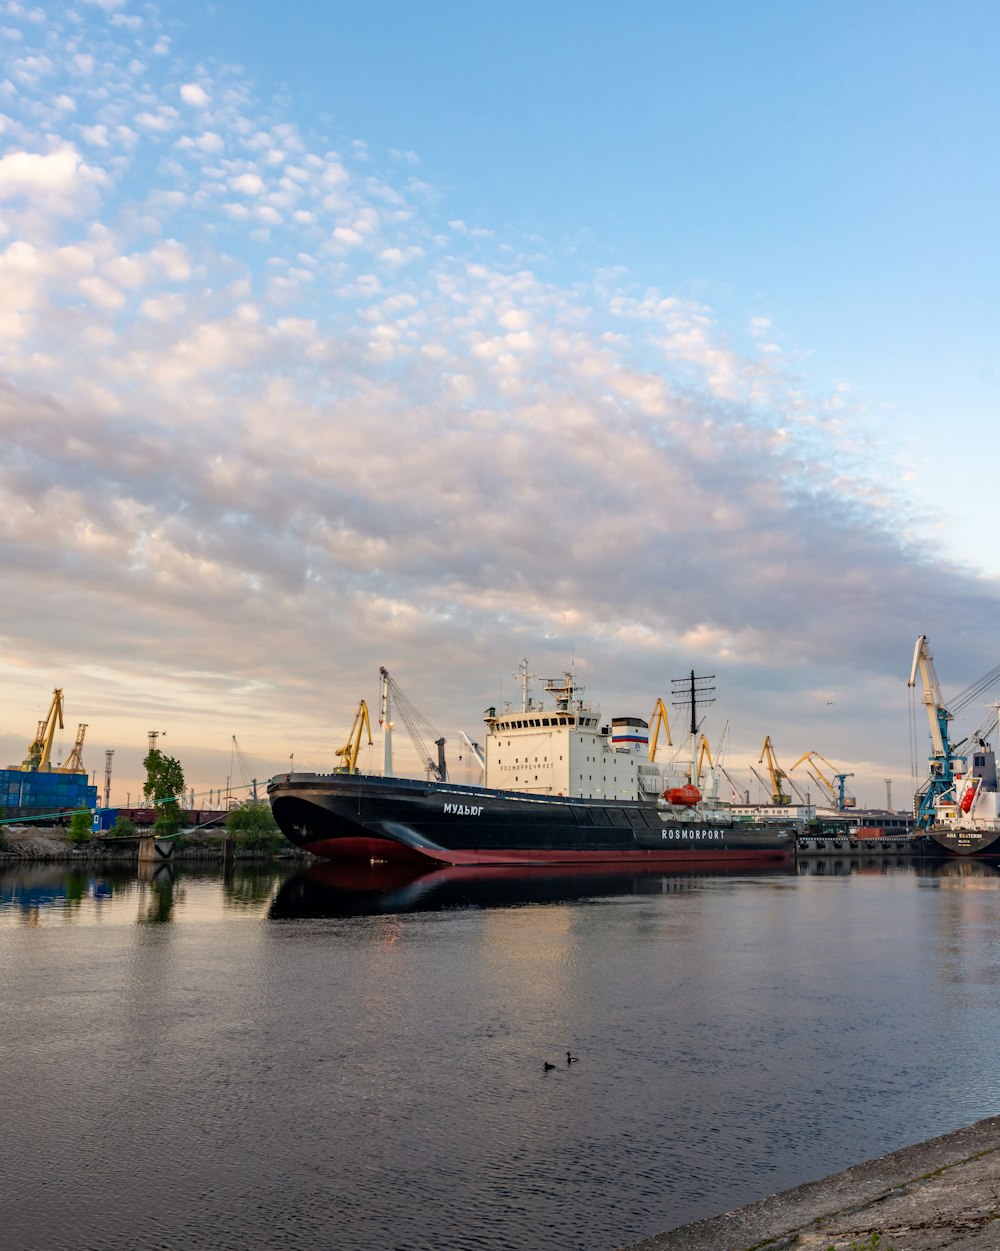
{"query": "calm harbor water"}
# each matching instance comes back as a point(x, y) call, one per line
point(292, 1059)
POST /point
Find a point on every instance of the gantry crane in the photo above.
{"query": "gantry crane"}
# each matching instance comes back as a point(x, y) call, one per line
point(39, 754)
point(837, 795)
point(349, 752)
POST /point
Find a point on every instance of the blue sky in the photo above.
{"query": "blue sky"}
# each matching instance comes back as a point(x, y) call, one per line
point(831, 167)
point(338, 335)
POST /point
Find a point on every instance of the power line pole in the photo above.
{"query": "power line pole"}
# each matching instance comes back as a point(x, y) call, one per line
point(694, 691)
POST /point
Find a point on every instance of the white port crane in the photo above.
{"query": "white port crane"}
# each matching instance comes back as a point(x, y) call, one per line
point(417, 726)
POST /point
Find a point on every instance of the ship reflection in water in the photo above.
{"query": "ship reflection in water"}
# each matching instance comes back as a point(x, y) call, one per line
point(943, 871)
point(332, 890)
point(342, 890)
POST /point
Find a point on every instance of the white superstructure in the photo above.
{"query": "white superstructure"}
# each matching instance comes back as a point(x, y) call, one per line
point(563, 747)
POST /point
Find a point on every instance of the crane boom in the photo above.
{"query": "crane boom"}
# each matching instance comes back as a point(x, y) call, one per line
point(658, 718)
point(938, 715)
point(238, 760)
point(475, 748)
point(740, 793)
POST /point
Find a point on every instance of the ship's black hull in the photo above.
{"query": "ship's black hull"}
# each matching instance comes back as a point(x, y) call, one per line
point(363, 818)
point(948, 841)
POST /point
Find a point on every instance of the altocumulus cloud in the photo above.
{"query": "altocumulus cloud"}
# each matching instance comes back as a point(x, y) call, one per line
point(269, 420)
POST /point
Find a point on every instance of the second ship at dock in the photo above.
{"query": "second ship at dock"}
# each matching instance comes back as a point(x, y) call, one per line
point(561, 786)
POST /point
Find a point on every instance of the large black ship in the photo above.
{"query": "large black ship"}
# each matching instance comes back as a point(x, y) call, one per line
point(573, 791)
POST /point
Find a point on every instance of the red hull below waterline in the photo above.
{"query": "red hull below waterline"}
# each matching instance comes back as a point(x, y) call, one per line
point(375, 850)
point(359, 818)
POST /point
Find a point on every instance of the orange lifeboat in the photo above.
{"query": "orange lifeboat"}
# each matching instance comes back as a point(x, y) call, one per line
point(968, 797)
point(683, 796)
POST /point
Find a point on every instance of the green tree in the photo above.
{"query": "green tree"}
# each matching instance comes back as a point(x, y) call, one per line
point(124, 827)
point(80, 826)
point(164, 785)
point(253, 826)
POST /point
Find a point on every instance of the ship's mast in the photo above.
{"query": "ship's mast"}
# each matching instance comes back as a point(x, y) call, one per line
point(693, 690)
point(385, 721)
point(524, 677)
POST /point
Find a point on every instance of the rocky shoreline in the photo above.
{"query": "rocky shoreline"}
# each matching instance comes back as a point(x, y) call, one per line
point(51, 844)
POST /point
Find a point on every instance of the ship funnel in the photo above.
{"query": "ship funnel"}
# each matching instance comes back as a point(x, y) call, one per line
point(630, 734)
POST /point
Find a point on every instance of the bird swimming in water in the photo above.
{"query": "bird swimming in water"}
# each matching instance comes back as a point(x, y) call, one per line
point(546, 1066)
point(570, 1058)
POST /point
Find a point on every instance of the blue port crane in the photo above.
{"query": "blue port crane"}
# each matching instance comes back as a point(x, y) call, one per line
point(943, 758)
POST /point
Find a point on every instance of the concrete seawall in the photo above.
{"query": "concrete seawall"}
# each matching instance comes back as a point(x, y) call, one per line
point(940, 1195)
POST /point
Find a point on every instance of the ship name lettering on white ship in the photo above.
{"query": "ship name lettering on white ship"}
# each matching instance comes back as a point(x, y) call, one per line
point(464, 810)
point(690, 833)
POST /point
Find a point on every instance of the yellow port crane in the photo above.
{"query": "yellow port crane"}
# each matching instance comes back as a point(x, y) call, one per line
point(837, 795)
point(349, 752)
point(39, 754)
point(74, 761)
point(658, 718)
point(767, 755)
point(704, 753)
